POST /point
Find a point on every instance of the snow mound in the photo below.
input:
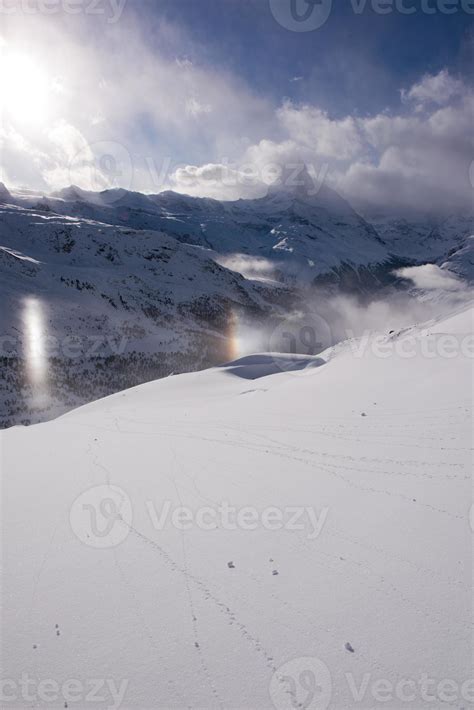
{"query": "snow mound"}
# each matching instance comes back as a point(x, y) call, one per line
point(253, 367)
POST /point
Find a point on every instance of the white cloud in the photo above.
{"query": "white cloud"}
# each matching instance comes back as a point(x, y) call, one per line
point(121, 89)
point(257, 269)
point(311, 127)
point(184, 63)
point(195, 108)
point(431, 277)
point(162, 112)
point(220, 181)
point(437, 88)
point(407, 161)
point(68, 141)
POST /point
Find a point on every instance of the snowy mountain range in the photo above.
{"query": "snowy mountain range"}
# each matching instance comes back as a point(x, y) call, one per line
point(303, 234)
point(117, 288)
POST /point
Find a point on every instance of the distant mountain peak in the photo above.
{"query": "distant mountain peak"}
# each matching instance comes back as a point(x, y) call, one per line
point(295, 180)
point(73, 193)
point(4, 193)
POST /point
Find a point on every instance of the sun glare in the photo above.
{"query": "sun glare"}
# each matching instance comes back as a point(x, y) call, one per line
point(24, 88)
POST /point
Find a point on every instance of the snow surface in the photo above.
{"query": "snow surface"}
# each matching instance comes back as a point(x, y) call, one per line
point(378, 447)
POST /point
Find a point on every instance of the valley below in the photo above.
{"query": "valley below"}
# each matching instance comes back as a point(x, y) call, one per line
point(105, 291)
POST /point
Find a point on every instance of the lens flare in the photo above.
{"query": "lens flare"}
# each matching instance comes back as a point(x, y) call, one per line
point(34, 343)
point(244, 338)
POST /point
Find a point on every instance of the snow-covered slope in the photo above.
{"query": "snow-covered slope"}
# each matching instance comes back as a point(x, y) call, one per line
point(460, 261)
point(75, 290)
point(425, 240)
point(81, 262)
point(346, 580)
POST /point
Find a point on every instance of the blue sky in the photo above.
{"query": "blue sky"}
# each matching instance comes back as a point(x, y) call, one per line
point(158, 94)
point(353, 63)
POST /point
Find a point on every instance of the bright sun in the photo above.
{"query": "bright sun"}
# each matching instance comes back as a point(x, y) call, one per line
point(25, 88)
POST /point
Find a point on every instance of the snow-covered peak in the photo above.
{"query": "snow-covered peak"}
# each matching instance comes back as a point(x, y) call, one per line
point(5, 195)
point(295, 181)
point(73, 193)
point(296, 184)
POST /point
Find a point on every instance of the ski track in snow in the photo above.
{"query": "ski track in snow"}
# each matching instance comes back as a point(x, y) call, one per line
point(241, 444)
